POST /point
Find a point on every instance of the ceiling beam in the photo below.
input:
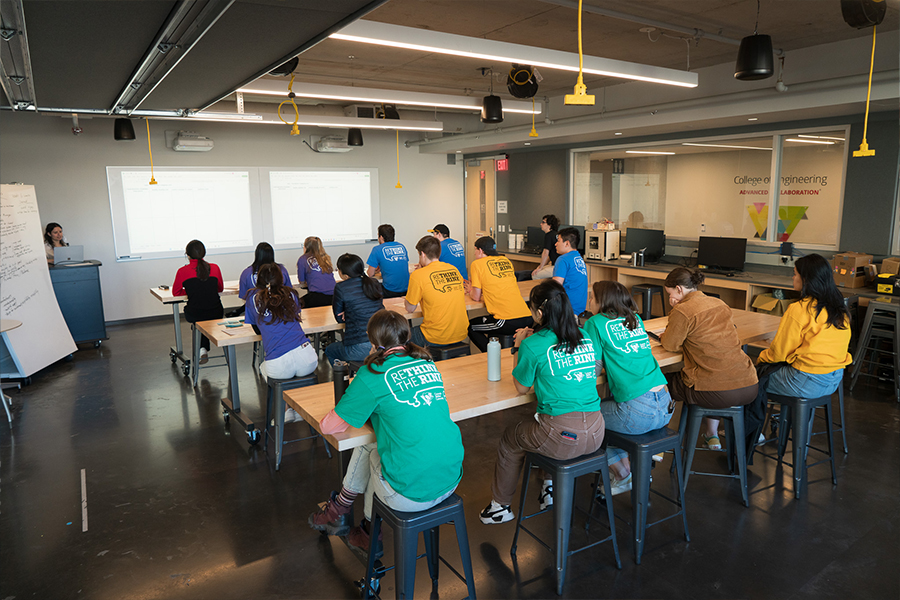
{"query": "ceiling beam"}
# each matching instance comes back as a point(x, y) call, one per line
point(16, 76)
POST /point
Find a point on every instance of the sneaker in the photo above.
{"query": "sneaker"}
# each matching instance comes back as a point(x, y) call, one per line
point(546, 497)
point(358, 537)
point(292, 416)
point(761, 439)
point(616, 486)
point(204, 356)
point(712, 442)
point(332, 518)
point(658, 457)
point(495, 513)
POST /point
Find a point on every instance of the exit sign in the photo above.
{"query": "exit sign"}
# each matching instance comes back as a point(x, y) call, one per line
point(503, 164)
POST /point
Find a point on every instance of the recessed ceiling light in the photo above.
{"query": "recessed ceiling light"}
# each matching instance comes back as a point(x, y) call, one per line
point(527, 143)
point(810, 141)
point(753, 119)
point(821, 137)
point(726, 146)
point(618, 133)
point(646, 152)
point(459, 151)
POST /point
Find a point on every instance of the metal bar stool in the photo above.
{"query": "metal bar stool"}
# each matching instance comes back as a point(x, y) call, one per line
point(275, 402)
point(407, 526)
point(647, 291)
point(564, 474)
point(734, 439)
point(450, 351)
point(882, 324)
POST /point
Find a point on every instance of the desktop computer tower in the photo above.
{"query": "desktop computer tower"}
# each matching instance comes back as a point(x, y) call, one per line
point(602, 245)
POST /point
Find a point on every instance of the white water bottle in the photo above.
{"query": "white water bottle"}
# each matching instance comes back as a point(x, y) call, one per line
point(493, 352)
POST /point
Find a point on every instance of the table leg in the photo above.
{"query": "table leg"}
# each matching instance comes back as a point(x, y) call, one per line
point(176, 314)
point(234, 392)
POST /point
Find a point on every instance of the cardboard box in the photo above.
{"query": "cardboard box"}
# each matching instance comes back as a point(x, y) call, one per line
point(849, 269)
point(769, 304)
point(888, 283)
point(890, 265)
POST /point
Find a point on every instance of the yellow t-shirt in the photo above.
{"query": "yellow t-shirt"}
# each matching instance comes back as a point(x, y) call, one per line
point(808, 343)
point(495, 277)
point(439, 289)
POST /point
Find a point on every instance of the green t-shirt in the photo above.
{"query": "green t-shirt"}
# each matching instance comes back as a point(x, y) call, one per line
point(563, 383)
point(630, 367)
point(421, 448)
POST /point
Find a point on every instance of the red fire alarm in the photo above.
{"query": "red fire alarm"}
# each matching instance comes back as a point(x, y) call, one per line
point(503, 164)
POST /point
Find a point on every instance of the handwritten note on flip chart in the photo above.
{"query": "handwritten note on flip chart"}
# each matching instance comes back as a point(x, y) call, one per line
point(26, 293)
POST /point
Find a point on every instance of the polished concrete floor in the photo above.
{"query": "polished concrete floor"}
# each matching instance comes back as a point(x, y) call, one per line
point(179, 506)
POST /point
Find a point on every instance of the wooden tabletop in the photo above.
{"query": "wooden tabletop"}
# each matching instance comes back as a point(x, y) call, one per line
point(470, 394)
point(231, 289)
point(7, 324)
point(321, 319)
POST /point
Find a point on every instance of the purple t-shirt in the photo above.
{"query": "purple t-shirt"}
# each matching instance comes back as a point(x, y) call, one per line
point(279, 337)
point(308, 270)
point(248, 280)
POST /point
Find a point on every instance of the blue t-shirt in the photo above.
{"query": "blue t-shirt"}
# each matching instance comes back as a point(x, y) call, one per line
point(248, 280)
point(308, 270)
point(453, 253)
point(393, 261)
point(279, 337)
point(570, 266)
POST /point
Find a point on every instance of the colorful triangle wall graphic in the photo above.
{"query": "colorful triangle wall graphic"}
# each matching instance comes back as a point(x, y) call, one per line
point(788, 219)
point(759, 216)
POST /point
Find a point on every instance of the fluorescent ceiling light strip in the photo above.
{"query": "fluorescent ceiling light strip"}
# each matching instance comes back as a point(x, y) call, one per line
point(820, 137)
point(646, 152)
point(270, 87)
point(810, 141)
point(727, 146)
point(335, 122)
point(396, 36)
point(226, 116)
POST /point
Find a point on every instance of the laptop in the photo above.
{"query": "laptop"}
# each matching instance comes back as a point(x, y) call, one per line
point(68, 254)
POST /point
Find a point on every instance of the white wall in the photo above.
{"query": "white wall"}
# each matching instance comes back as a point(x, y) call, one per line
point(69, 175)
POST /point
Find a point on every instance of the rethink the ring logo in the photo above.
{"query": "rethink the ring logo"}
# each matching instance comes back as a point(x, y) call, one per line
point(577, 366)
point(446, 281)
point(422, 377)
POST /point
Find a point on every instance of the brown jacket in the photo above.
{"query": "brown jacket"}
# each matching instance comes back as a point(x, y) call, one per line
point(701, 328)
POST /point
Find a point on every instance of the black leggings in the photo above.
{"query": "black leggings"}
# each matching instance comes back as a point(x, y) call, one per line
point(313, 299)
point(207, 314)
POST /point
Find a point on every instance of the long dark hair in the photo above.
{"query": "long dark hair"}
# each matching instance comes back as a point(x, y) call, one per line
point(196, 250)
point(686, 278)
point(353, 266)
point(615, 302)
point(281, 301)
point(387, 330)
point(265, 254)
point(818, 284)
point(47, 238)
point(557, 314)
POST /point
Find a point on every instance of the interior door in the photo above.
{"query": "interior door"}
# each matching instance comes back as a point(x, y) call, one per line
point(480, 202)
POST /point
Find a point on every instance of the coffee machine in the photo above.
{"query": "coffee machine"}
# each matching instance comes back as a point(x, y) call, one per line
point(602, 245)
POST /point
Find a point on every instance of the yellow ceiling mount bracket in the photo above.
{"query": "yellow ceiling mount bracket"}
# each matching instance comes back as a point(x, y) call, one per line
point(533, 132)
point(150, 150)
point(398, 186)
point(864, 146)
point(580, 97)
point(295, 129)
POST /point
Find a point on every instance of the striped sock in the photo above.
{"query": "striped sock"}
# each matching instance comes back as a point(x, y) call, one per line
point(346, 498)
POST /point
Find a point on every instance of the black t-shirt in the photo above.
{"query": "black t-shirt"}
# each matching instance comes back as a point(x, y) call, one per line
point(550, 244)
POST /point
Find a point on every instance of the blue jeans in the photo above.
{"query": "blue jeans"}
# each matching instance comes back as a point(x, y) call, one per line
point(788, 381)
point(340, 351)
point(645, 413)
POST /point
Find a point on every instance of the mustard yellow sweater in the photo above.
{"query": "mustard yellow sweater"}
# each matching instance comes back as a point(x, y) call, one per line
point(808, 343)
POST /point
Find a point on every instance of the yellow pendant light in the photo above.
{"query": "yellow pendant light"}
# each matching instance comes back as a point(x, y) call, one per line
point(152, 179)
point(295, 129)
point(398, 186)
point(864, 146)
point(580, 97)
point(533, 132)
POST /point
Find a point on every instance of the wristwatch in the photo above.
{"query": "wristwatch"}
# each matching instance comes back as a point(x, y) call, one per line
point(514, 349)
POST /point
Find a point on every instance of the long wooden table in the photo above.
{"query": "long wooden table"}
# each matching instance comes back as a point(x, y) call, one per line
point(470, 394)
point(313, 320)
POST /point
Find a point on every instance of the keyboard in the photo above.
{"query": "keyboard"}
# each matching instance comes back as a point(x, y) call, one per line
point(719, 272)
point(531, 250)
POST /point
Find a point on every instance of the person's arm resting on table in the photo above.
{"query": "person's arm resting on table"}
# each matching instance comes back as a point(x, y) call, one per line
point(672, 339)
point(332, 424)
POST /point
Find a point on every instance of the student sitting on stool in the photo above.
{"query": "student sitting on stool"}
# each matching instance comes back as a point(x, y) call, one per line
point(452, 252)
point(356, 298)
point(570, 269)
point(201, 282)
point(314, 268)
point(494, 281)
point(439, 287)
point(391, 259)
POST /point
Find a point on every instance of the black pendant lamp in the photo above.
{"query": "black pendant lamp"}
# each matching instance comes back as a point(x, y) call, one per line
point(755, 59)
point(354, 137)
point(123, 131)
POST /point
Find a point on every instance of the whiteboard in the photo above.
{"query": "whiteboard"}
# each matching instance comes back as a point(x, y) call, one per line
point(26, 293)
point(231, 209)
point(334, 204)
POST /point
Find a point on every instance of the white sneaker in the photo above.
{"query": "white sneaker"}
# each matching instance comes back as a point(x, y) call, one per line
point(658, 457)
point(761, 439)
point(292, 416)
point(616, 486)
point(546, 496)
point(494, 514)
point(204, 356)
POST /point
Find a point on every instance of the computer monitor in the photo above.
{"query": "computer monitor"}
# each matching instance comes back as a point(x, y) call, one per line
point(654, 240)
point(722, 253)
point(534, 237)
point(580, 229)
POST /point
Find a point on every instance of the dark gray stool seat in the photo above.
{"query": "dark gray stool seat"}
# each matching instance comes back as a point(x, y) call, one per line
point(647, 291)
point(564, 474)
point(450, 351)
point(799, 416)
point(735, 443)
point(640, 449)
point(275, 408)
point(406, 527)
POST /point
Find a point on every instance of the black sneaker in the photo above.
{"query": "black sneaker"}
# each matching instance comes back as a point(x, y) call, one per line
point(495, 513)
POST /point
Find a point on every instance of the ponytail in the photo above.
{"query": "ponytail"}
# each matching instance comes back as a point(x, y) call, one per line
point(557, 314)
point(389, 333)
point(197, 251)
point(352, 266)
point(281, 301)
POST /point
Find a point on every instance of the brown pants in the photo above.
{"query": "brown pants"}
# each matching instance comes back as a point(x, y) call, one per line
point(711, 399)
point(543, 436)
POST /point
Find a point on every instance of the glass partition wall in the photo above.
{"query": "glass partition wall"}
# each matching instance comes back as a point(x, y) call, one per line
point(769, 188)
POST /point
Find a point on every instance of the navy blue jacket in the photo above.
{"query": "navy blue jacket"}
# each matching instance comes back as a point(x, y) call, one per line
point(357, 308)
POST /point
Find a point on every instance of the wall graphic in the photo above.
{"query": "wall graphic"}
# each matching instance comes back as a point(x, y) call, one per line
point(788, 219)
